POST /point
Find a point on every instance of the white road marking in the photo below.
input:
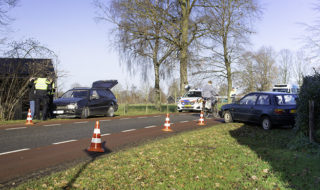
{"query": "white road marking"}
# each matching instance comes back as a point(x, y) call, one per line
point(64, 142)
point(142, 117)
point(105, 120)
point(157, 116)
point(51, 125)
point(123, 118)
point(14, 151)
point(105, 134)
point(150, 126)
point(15, 128)
point(128, 130)
point(80, 122)
point(184, 121)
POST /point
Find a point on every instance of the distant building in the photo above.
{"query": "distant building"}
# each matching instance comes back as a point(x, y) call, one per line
point(15, 74)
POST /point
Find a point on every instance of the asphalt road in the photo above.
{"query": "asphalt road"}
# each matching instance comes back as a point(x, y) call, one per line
point(29, 151)
point(27, 137)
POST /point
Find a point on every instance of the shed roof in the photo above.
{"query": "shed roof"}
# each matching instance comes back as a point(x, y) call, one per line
point(26, 67)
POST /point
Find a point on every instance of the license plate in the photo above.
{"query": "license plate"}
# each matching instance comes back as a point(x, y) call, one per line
point(59, 112)
point(187, 106)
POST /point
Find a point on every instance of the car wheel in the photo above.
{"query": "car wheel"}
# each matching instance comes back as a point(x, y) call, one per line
point(266, 123)
point(85, 113)
point(206, 113)
point(228, 117)
point(215, 111)
point(180, 110)
point(110, 112)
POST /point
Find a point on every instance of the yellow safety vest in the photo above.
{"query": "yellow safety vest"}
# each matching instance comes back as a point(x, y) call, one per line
point(41, 83)
point(52, 91)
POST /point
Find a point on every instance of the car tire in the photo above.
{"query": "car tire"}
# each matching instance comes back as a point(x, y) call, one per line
point(110, 112)
point(180, 110)
point(215, 112)
point(85, 113)
point(266, 123)
point(227, 117)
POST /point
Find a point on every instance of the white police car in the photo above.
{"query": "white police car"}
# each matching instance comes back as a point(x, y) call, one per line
point(191, 101)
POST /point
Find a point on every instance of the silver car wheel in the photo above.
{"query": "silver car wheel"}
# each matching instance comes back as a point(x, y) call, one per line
point(110, 112)
point(266, 123)
point(228, 117)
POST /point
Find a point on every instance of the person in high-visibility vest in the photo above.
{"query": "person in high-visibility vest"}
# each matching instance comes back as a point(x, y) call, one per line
point(41, 86)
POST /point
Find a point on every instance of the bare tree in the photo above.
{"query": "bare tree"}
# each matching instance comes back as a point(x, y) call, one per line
point(173, 90)
point(229, 24)
point(5, 7)
point(140, 34)
point(285, 65)
point(301, 66)
point(266, 69)
point(247, 73)
point(15, 76)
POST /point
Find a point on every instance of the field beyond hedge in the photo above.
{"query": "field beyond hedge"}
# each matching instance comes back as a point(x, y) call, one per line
point(225, 156)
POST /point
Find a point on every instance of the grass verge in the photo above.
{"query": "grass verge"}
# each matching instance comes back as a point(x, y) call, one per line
point(226, 156)
point(144, 109)
point(124, 110)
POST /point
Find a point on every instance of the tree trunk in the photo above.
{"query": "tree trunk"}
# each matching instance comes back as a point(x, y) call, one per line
point(157, 87)
point(228, 67)
point(311, 121)
point(185, 6)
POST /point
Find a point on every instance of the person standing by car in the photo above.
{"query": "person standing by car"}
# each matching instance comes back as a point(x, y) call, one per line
point(32, 95)
point(208, 93)
point(51, 92)
point(41, 86)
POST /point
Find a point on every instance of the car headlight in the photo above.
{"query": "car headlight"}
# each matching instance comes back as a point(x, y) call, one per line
point(72, 106)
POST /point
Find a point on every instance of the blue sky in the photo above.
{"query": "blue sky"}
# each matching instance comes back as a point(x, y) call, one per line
point(68, 28)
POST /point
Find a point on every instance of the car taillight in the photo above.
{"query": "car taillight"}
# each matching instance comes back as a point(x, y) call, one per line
point(279, 111)
point(293, 111)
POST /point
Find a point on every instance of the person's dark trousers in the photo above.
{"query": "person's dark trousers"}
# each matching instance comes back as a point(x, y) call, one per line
point(50, 106)
point(41, 99)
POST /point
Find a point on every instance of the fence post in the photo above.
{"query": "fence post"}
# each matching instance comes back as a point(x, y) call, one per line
point(311, 121)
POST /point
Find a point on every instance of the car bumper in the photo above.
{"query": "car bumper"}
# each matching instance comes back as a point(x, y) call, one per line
point(189, 108)
point(67, 113)
point(283, 120)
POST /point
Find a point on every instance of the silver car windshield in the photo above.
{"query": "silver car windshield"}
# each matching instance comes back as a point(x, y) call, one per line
point(193, 94)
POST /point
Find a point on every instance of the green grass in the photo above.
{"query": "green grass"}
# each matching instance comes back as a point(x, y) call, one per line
point(226, 156)
point(124, 110)
point(144, 109)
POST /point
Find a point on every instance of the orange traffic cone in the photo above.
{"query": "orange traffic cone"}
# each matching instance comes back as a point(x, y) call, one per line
point(29, 118)
point(167, 124)
point(96, 140)
point(201, 119)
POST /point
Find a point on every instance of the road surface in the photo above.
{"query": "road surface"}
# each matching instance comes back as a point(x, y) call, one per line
point(29, 151)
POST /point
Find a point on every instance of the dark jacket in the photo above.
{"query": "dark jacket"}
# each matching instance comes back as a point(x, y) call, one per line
point(32, 90)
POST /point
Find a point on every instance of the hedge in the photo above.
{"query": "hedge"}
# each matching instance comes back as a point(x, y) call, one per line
point(310, 90)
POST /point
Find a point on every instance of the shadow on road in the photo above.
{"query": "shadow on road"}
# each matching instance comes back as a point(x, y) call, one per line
point(296, 170)
point(93, 156)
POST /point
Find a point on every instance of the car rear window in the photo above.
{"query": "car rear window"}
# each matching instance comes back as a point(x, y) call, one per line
point(76, 94)
point(287, 99)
